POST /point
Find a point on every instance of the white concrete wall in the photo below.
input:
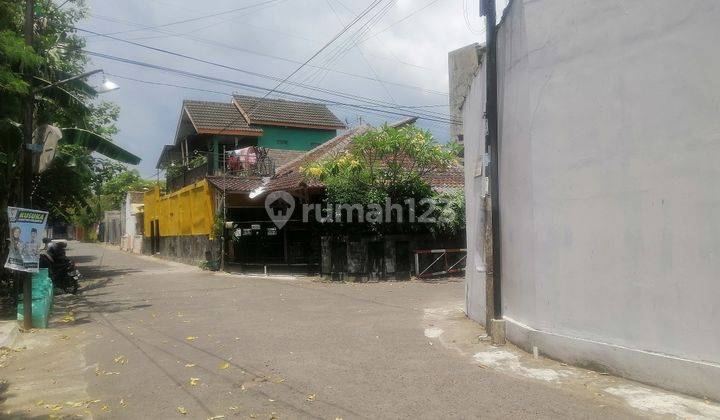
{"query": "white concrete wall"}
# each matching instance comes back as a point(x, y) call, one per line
point(610, 199)
point(462, 65)
point(129, 222)
point(475, 190)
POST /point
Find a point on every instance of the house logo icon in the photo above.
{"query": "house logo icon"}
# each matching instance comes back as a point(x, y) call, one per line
point(279, 206)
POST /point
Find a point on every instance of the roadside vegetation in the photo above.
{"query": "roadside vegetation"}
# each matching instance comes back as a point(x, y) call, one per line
point(393, 165)
point(79, 186)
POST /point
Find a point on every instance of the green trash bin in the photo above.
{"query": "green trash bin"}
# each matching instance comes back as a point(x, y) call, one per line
point(42, 299)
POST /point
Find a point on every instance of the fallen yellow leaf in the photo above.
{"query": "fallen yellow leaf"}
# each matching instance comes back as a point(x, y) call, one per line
point(194, 381)
point(191, 338)
point(311, 397)
point(68, 318)
point(120, 360)
point(224, 366)
point(182, 410)
point(123, 403)
point(105, 408)
point(190, 365)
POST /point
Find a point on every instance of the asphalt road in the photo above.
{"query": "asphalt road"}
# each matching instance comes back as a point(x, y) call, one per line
point(148, 339)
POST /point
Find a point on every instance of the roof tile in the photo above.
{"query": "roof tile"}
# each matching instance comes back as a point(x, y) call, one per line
point(217, 116)
point(291, 113)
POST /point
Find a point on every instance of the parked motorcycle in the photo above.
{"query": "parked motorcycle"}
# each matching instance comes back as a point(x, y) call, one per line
point(62, 270)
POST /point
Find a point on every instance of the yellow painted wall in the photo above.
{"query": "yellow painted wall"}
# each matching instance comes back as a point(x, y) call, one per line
point(188, 211)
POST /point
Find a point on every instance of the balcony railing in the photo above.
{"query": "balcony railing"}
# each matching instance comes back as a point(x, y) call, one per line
point(255, 164)
point(258, 164)
point(187, 177)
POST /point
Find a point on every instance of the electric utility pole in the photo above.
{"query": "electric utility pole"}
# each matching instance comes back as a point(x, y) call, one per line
point(26, 156)
point(491, 113)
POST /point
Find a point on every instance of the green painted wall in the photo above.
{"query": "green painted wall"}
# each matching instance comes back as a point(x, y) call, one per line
point(290, 138)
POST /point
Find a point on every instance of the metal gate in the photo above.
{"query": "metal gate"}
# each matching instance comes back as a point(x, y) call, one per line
point(436, 262)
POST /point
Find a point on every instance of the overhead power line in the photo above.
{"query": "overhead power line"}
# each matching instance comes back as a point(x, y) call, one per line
point(256, 74)
point(399, 21)
point(346, 46)
point(250, 24)
point(195, 19)
point(367, 62)
point(340, 50)
point(276, 57)
point(228, 82)
point(318, 52)
point(176, 86)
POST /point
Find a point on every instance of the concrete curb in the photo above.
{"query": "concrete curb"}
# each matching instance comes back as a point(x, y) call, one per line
point(691, 377)
point(8, 333)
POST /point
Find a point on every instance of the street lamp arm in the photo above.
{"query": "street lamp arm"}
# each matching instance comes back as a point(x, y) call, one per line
point(69, 79)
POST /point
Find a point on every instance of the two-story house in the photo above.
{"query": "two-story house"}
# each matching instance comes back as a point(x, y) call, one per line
point(221, 152)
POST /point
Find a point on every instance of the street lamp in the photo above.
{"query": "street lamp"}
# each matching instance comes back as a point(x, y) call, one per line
point(107, 85)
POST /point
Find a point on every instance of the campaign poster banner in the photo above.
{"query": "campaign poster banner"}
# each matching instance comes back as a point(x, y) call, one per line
point(27, 228)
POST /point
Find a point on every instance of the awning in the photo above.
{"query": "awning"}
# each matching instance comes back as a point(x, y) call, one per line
point(99, 144)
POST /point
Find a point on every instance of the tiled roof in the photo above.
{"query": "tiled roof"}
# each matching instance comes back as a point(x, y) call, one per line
point(217, 117)
point(447, 179)
point(281, 157)
point(290, 113)
point(232, 183)
point(288, 177)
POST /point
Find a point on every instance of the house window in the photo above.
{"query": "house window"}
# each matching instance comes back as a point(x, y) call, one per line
point(282, 142)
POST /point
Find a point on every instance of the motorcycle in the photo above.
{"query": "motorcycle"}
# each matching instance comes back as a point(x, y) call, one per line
point(62, 270)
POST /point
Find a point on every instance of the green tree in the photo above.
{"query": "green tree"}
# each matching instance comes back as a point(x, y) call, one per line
point(56, 54)
point(116, 188)
point(389, 164)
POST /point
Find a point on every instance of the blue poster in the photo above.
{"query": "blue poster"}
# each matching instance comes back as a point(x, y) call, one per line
point(27, 228)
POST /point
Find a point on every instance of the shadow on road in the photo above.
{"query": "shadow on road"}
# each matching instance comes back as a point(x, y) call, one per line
point(4, 396)
point(3, 392)
point(21, 415)
point(91, 272)
point(82, 259)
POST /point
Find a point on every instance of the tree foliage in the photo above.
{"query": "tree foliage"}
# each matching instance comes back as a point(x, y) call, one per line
point(389, 164)
point(72, 188)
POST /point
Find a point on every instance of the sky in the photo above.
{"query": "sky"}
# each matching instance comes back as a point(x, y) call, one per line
point(395, 54)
